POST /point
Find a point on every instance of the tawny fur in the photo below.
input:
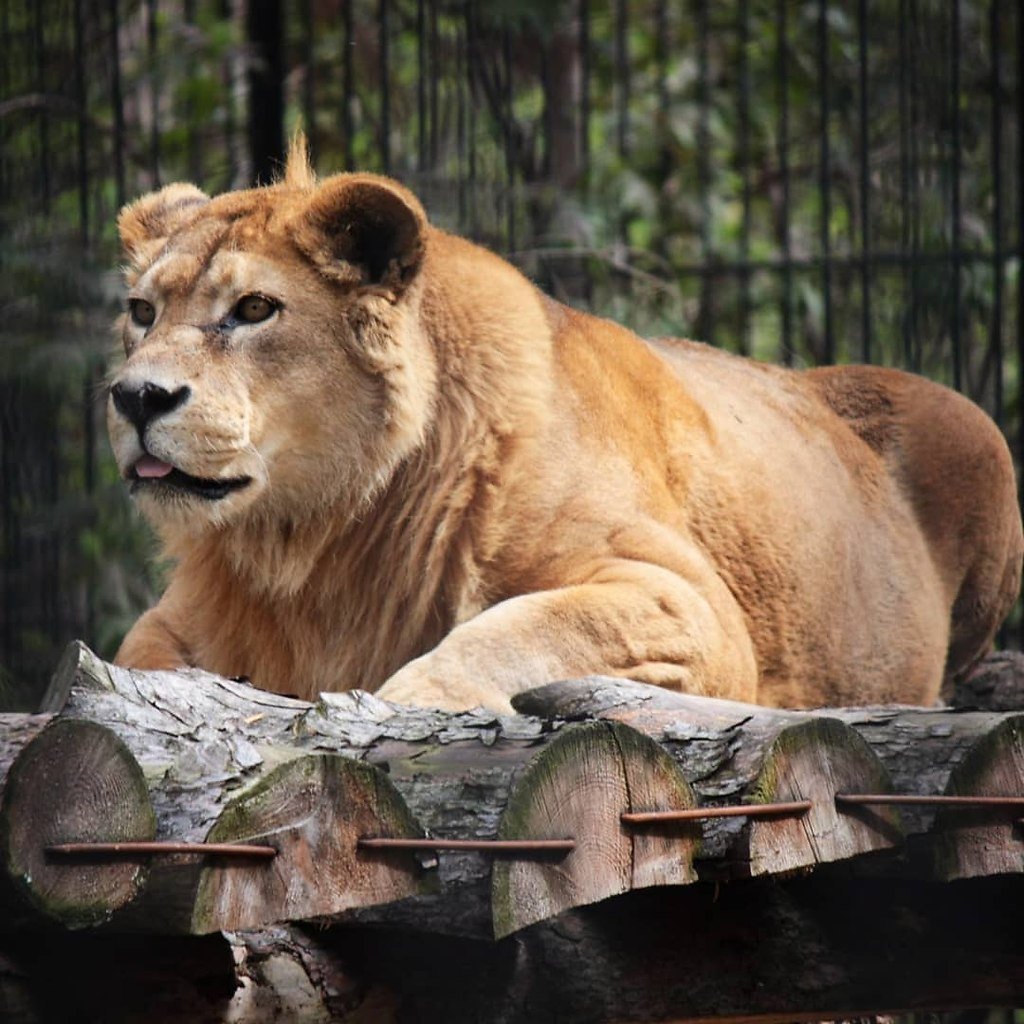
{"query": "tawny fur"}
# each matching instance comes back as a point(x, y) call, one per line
point(460, 489)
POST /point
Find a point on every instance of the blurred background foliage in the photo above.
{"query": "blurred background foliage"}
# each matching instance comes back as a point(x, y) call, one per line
point(803, 180)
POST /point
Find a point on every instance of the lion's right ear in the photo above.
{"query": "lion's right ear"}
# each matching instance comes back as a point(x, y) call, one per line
point(146, 223)
point(363, 230)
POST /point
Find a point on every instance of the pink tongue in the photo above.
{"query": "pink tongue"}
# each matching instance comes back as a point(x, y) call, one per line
point(149, 468)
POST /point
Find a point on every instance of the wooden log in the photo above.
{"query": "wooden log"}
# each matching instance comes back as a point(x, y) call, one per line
point(74, 781)
point(824, 946)
point(734, 754)
point(457, 773)
point(579, 786)
point(311, 810)
point(985, 840)
point(211, 780)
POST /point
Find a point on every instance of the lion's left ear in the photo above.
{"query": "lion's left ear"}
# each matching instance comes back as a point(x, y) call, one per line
point(362, 229)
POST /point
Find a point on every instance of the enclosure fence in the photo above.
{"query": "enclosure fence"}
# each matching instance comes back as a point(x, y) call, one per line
point(805, 181)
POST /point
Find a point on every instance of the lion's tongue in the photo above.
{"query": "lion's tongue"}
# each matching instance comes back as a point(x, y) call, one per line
point(148, 468)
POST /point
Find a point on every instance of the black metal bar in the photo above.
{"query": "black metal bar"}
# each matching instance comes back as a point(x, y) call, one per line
point(117, 102)
point(348, 83)
point(744, 157)
point(865, 183)
point(511, 142)
point(622, 77)
point(585, 70)
point(422, 72)
point(996, 329)
point(152, 46)
point(384, 83)
point(309, 79)
point(1020, 250)
point(81, 125)
point(193, 132)
point(782, 99)
point(825, 178)
point(471, 169)
point(955, 336)
point(43, 119)
point(706, 320)
point(905, 224)
point(460, 121)
point(433, 82)
point(263, 25)
point(915, 187)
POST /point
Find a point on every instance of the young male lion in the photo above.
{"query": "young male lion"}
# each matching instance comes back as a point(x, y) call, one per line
point(382, 459)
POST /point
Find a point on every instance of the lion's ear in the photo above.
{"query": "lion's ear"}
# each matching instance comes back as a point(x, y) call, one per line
point(364, 230)
point(151, 219)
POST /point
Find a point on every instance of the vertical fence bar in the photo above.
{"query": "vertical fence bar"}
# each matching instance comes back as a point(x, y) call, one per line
point(782, 93)
point(384, 83)
point(309, 78)
point(152, 47)
point(905, 227)
point(825, 179)
point(81, 125)
point(460, 121)
point(1020, 257)
point(43, 121)
point(865, 184)
point(706, 320)
point(954, 71)
point(622, 74)
point(511, 142)
point(996, 128)
point(584, 55)
point(433, 82)
point(6, 189)
point(471, 168)
point(193, 134)
point(117, 102)
point(347, 83)
point(661, 47)
point(744, 156)
point(915, 188)
point(422, 72)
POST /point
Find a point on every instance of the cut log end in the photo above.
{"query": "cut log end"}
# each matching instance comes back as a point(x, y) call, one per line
point(76, 782)
point(814, 761)
point(577, 788)
point(973, 842)
point(313, 811)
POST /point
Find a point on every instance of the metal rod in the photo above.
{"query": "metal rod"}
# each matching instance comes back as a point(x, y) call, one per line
point(793, 807)
point(153, 849)
point(825, 180)
point(927, 801)
point(521, 846)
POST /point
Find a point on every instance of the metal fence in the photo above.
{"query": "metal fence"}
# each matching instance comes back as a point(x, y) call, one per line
point(806, 181)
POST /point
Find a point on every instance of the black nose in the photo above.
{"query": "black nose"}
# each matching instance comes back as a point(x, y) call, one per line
point(146, 402)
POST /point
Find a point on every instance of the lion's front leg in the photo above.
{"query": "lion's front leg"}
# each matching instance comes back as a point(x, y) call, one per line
point(153, 644)
point(636, 621)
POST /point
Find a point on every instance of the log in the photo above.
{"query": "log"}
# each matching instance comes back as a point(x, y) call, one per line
point(985, 840)
point(735, 753)
point(73, 781)
point(824, 946)
point(205, 742)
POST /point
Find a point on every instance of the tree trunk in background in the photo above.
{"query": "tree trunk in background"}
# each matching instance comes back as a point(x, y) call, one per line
point(264, 28)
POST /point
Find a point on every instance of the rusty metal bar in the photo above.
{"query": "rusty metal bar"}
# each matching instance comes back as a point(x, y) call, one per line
point(518, 846)
point(925, 801)
point(155, 849)
point(794, 807)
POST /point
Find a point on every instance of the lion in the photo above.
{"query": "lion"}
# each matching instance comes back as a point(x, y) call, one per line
point(380, 458)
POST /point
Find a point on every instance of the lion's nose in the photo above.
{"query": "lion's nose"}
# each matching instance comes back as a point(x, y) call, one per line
point(145, 402)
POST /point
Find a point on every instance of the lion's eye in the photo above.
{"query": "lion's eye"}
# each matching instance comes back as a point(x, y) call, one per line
point(251, 309)
point(143, 313)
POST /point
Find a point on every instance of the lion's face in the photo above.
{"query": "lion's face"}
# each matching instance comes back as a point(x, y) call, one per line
point(274, 361)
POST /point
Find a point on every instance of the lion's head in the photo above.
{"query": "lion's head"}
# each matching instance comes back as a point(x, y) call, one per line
point(275, 363)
